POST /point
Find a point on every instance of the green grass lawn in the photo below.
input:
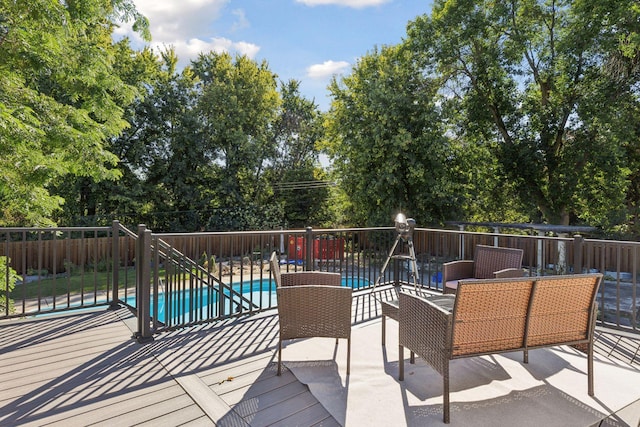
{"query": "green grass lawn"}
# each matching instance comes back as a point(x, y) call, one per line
point(86, 281)
point(78, 282)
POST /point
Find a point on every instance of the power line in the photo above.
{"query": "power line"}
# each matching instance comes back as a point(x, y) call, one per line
point(302, 185)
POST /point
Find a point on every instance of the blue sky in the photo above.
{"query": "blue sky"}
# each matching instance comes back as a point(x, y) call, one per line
point(307, 40)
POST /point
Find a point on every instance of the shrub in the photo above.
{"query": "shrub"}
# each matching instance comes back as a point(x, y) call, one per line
point(6, 285)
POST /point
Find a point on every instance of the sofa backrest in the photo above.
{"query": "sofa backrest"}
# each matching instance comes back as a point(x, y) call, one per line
point(490, 315)
point(562, 309)
point(496, 315)
point(489, 259)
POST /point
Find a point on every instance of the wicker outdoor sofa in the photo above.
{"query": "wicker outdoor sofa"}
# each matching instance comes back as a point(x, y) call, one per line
point(497, 316)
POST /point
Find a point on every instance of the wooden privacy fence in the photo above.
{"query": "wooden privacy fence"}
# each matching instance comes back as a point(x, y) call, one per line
point(51, 251)
point(42, 252)
point(55, 250)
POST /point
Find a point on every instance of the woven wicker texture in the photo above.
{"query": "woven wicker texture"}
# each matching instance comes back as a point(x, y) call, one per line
point(491, 317)
point(489, 259)
point(310, 278)
point(314, 311)
point(425, 328)
point(312, 304)
point(488, 262)
point(561, 310)
point(500, 315)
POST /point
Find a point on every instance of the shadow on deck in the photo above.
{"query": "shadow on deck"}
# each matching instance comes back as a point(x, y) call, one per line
point(84, 369)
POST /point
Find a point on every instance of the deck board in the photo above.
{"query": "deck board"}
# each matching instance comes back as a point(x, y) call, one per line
point(84, 369)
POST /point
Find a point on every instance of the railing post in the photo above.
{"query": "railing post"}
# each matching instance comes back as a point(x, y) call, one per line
point(561, 265)
point(309, 250)
point(578, 245)
point(143, 291)
point(540, 260)
point(115, 264)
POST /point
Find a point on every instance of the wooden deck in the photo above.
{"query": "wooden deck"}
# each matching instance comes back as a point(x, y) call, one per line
point(84, 369)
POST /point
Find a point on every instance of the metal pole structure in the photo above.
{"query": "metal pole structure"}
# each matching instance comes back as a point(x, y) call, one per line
point(309, 250)
point(115, 264)
point(540, 267)
point(144, 310)
point(461, 242)
point(496, 231)
point(411, 258)
point(578, 242)
point(561, 267)
point(143, 258)
point(138, 259)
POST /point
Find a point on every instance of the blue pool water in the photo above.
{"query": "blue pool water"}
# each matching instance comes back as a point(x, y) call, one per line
point(201, 304)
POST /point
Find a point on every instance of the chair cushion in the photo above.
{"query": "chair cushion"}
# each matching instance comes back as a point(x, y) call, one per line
point(446, 302)
point(452, 284)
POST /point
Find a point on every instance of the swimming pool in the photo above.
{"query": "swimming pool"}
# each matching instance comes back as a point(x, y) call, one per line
point(199, 304)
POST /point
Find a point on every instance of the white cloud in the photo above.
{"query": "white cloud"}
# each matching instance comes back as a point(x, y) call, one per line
point(182, 25)
point(357, 4)
point(180, 20)
point(190, 49)
point(242, 21)
point(326, 69)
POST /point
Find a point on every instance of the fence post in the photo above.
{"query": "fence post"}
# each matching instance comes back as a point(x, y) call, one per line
point(578, 245)
point(309, 250)
point(540, 259)
point(143, 291)
point(115, 264)
point(496, 231)
point(461, 242)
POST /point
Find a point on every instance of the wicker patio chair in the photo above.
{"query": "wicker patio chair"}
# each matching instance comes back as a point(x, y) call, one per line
point(489, 262)
point(312, 304)
point(497, 316)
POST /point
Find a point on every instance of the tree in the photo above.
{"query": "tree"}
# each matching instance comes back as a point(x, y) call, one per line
point(535, 74)
point(171, 151)
point(237, 104)
point(59, 99)
point(386, 140)
point(299, 183)
point(98, 202)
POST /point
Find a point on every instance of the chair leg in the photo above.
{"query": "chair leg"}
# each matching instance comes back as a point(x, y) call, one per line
point(445, 394)
point(349, 356)
point(590, 387)
point(401, 362)
point(384, 329)
point(279, 357)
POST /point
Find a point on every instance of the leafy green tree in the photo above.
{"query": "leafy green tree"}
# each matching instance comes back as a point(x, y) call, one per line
point(172, 152)
point(299, 183)
point(237, 105)
point(387, 143)
point(535, 74)
point(92, 202)
point(59, 99)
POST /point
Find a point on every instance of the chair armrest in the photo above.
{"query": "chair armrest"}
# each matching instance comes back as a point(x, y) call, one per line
point(425, 328)
point(456, 270)
point(311, 278)
point(314, 311)
point(509, 272)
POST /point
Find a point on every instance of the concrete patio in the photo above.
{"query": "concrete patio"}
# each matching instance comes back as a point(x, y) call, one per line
point(84, 369)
